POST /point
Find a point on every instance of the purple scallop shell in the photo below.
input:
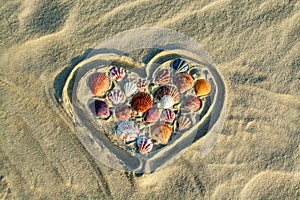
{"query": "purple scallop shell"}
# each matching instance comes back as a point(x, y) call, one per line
point(100, 109)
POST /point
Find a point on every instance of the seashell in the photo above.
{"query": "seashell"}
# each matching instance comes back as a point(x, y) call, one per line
point(183, 82)
point(167, 90)
point(99, 83)
point(192, 103)
point(167, 102)
point(184, 122)
point(116, 96)
point(100, 109)
point(145, 145)
point(130, 88)
point(117, 73)
point(127, 131)
point(141, 84)
point(161, 132)
point(168, 116)
point(152, 115)
point(163, 76)
point(180, 65)
point(141, 102)
point(202, 87)
point(123, 112)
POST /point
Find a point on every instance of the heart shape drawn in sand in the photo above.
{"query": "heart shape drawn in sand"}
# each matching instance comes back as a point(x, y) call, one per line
point(143, 97)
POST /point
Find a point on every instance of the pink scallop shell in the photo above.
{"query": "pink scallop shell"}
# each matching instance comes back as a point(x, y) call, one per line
point(144, 144)
point(117, 73)
point(168, 116)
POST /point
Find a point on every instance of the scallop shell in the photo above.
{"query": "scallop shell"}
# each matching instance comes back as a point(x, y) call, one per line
point(161, 132)
point(184, 122)
point(99, 83)
point(116, 96)
point(166, 102)
point(202, 87)
point(192, 103)
point(141, 102)
point(145, 145)
point(141, 84)
point(127, 131)
point(123, 112)
point(168, 116)
point(163, 76)
point(183, 82)
point(152, 115)
point(167, 90)
point(117, 73)
point(180, 65)
point(130, 88)
point(100, 109)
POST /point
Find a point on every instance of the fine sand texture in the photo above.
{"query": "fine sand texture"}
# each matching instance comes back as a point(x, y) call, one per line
point(255, 46)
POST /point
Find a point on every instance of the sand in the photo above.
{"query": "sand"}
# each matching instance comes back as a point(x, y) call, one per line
point(255, 46)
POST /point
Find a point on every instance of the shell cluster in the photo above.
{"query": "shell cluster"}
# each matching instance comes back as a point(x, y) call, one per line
point(149, 112)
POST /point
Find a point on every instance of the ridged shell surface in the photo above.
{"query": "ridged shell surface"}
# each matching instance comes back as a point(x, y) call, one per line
point(141, 102)
point(141, 85)
point(183, 82)
point(161, 132)
point(152, 115)
point(116, 96)
point(202, 87)
point(163, 76)
point(99, 83)
point(184, 122)
point(100, 109)
point(168, 116)
point(145, 145)
point(123, 113)
point(192, 103)
point(130, 88)
point(117, 73)
point(127, 131)
point(166, 102)
point(180, 65)
point(167, 90)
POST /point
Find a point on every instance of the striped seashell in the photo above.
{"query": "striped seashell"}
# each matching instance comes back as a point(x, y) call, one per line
point(99, 83)
point(117, 73)
point(183, 82)
point(141, 84)
point(145, 145)
point(180, 65)
point(192, 103)
point(168, 116)
point(152, 115)
point(166, 102)
point(160, 132)
point(202, 87)
point(167, 90)
point(184, 122)
point(130, 88)
point(141, 102)
point(116, 96)
point(123, 113)
point(127, 131)
point(100, 109)
point(163, 76)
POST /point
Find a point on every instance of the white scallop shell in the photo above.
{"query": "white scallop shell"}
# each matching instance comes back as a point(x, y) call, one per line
point(127, 131)
point(144, 144)
point(117, 73)
point(184, 122)
point(130, 88)
point(116, 96)
point(167, 102)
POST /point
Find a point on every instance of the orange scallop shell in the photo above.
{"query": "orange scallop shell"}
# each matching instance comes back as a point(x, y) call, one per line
point(167, 90)
point(99, 83)
point(183, 82)
point(202, 87)
point(161, 132)
point(141, 102)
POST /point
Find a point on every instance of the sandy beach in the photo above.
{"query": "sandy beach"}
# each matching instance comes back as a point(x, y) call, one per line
point(254, 45)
